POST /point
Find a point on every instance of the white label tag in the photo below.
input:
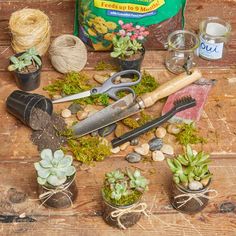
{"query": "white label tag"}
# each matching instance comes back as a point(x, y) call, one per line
point(210, 50)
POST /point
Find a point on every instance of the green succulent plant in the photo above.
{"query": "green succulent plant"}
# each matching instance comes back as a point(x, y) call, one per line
point(26, 59)
point(124, 187)
point(31, 55)
point(18, 64)
point(124, 47)
point(189, 166)
point(54, 168)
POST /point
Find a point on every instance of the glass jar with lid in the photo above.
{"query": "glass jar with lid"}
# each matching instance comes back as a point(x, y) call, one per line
point(214, 34)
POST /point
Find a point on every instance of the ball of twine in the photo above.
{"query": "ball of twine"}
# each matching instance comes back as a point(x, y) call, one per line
point(68, 53)
point(30, 28)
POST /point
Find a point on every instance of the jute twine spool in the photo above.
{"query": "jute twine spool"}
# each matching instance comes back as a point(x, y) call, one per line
point(68, 53)
point(30, 28)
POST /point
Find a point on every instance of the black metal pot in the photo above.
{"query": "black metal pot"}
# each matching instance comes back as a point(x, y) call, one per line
point(27, 81)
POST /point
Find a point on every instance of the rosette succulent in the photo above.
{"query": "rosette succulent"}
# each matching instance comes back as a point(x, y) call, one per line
point(54, 168)
point(190, 167)
point(124, 187)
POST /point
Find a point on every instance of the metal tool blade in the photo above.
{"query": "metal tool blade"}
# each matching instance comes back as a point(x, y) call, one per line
point(115, 112)
point(73, 97)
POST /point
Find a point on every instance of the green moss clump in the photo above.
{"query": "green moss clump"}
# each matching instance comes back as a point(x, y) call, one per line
point(189, 135)
point(133, 124)
point(88, 149)
point(102, 65)
point(74, 83)
point(129, 199)
point(147, 84)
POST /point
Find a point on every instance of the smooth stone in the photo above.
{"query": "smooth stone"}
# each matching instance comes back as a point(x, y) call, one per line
point(155, 144)
point(56, 96)
point(134, 142)
point(94, 133)
point(81, 115)
point(205, 181)
point(143, 149)
point(120, 130)
point(160, 132)
point(167, 149)
point(74, 108)
point(100, 78)
point(173, 129)
point(195, 185)
point(107, 130)
point(89, 108)
point(158, 156)
point(115, 150)
point(124, 146)
point(126, 80)
point(66, 113)
point(170, 139)
point(133, 157)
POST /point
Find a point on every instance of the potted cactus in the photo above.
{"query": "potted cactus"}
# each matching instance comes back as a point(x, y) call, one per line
point(27, 68)
point(191, 180)
point(56, 179)
point(128, 46)
point(122, 192)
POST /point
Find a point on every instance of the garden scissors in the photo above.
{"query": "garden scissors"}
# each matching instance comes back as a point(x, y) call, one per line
point(109, 87)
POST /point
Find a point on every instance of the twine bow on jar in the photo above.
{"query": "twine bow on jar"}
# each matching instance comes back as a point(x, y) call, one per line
point(195, 196)
point(44, 197)
point(137, 208)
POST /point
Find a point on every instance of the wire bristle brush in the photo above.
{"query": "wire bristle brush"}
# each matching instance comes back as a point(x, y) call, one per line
point(179, 105)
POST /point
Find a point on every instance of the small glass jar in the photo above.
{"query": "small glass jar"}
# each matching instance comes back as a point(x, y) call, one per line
point(181, 47)
point(214, 34)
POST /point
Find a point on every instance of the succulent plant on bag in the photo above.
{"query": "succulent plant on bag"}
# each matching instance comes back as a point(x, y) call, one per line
point(55, 168)
point(190, 168)
point(123, 188)
point(128, 40)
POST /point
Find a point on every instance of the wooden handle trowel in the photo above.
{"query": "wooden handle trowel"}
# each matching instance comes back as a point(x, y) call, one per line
point(128, 106)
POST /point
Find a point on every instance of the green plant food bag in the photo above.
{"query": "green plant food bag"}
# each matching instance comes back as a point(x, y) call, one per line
point(97, 21)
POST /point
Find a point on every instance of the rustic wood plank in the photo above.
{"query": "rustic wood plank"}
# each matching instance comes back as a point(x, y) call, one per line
point(218, 123)
point(85, 216)
point(64, 24)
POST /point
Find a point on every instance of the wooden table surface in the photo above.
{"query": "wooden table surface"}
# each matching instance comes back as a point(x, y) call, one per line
point(218, 124)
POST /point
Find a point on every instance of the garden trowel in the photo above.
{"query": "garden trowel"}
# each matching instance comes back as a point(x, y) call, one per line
point(130, 105)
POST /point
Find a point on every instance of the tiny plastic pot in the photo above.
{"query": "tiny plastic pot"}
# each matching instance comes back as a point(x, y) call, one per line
point(131, 64)
point(127, 220)
point(180, 194)
point(58, 197)
point(21, 104)
point(27, 81)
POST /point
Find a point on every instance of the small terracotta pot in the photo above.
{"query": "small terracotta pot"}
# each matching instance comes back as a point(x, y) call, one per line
point(60, 199)
point(127, 220)
point(192, 206)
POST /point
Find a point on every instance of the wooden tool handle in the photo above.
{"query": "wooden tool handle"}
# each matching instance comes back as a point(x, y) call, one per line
point(170, 87)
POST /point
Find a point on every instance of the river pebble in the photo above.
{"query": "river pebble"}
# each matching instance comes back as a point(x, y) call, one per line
point(155, 144)
point(103, 132)
point(66, 113)
point(134, 142)
point(124, 146)
point(143, 149)
point(115, 150)
point(158, 156)
point(133, 157)
point(195, 185)
point(74, 108)
point(167, 149)
point(173, 129)
point(160, 132)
